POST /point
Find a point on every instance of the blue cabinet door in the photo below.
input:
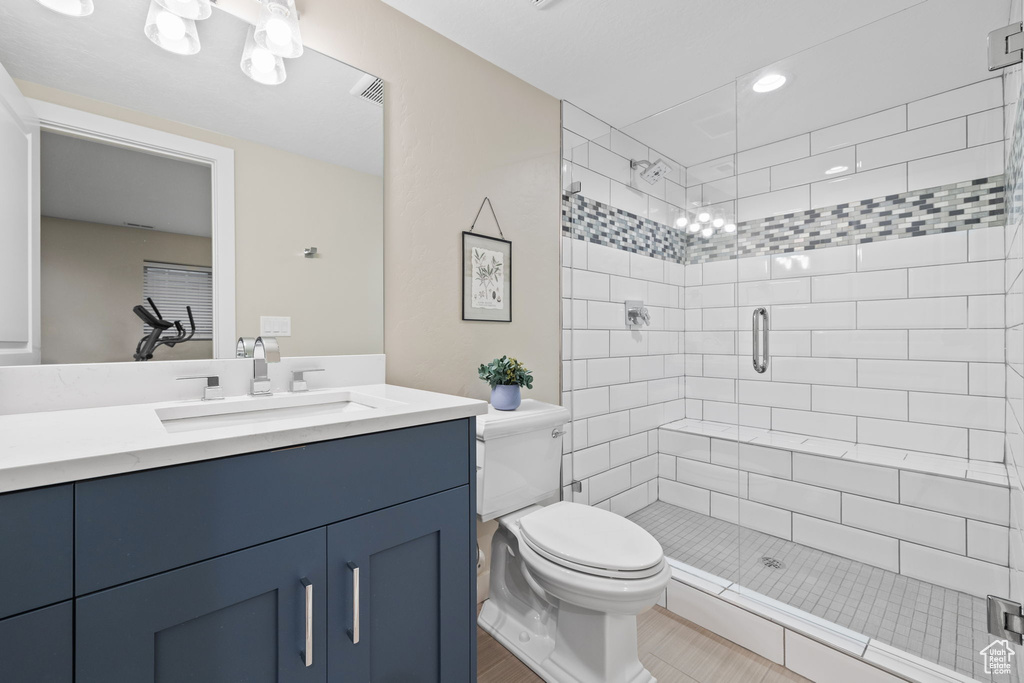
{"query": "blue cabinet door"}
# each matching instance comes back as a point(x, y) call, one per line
point(36, 647)
point(239, 617)
point(414, 619)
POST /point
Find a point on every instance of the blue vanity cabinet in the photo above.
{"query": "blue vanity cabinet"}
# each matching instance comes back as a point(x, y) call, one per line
point(36, 647)
point(399, 589)
point(240, 617)
point(36, 548)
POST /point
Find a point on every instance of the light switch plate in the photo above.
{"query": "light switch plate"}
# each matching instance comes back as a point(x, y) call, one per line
point(275, 326)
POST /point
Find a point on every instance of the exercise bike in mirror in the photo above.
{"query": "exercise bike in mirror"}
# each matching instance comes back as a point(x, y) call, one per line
point(156, 206)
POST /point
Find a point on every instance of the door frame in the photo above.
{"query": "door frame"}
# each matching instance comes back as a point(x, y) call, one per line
point(56, 118)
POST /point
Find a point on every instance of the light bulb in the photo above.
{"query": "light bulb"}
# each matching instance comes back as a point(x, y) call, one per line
point(260, 64)
point(694, 227)
point(171, 32)
point(277, 28)
point(71, 8)
point(681, 222)
point(708, 231)
point(278, 31)
point(703, 216)
point(718, 222)
point(730, 227)
point(170, 25)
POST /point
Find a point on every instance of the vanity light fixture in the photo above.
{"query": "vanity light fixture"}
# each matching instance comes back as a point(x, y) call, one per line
point(260, 64)
point(694, 227)
point(171, 32)
point(71, 8)
point(718, 222)
point(730, 227)
point(197, 10)
point(682, 221)
point(769, 82)
point(703, 217)
point(277, 28)
point(707, 232)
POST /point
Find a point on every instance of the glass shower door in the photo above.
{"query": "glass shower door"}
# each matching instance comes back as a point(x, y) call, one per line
point(874, 465)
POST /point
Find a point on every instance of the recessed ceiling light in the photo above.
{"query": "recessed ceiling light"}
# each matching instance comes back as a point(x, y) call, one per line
point(837, 169)
point(769, 82)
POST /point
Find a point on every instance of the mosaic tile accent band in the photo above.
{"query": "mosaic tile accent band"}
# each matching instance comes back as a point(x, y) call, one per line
point(591, 221)
point(949, 208)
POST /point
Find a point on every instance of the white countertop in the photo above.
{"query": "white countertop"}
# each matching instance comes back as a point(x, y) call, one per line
point(39, 449)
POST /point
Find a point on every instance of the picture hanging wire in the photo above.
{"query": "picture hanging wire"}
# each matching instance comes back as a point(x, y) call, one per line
point(487, 201)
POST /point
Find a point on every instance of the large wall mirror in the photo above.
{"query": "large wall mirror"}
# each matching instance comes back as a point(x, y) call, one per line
point(131, 173)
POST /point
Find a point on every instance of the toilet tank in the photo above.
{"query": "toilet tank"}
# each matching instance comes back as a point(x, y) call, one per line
point(518, 457)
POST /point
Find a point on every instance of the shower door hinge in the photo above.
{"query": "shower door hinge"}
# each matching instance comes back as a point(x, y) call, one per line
point(577, 487)
point(1005, 46)
point(1005, 619)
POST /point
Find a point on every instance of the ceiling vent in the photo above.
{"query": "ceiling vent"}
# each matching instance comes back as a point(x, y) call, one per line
point(369, 88)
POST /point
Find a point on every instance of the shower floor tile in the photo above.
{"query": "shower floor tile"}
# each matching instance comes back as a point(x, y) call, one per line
point(931, 622)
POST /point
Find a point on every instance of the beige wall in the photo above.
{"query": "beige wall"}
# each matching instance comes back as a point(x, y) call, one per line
point(91, 278)
point(457, 128)
point(283, 203)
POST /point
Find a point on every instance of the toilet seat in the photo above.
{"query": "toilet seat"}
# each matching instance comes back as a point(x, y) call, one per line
point(591, 541)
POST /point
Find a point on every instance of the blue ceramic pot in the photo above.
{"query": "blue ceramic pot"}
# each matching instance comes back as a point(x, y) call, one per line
point(506, 397)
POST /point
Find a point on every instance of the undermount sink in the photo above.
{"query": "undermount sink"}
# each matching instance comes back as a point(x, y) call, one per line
point(252, 410)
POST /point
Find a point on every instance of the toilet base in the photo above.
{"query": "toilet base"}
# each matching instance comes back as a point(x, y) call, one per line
point(591, 648)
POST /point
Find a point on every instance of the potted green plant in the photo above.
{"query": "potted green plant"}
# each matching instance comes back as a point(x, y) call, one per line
point(506, 377)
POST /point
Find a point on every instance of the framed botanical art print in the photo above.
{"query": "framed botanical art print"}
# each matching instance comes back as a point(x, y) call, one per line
point(486, 278)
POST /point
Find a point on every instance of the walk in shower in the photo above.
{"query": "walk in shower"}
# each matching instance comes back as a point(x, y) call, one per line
point(820, 415)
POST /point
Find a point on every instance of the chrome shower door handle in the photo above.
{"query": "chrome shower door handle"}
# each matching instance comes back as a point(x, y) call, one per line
point(760, 355)
point(307, 654)
point(354, 632)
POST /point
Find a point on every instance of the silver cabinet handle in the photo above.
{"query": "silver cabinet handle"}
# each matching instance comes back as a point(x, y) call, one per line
point(307, 655)
point(354, 632)
point(760, 355)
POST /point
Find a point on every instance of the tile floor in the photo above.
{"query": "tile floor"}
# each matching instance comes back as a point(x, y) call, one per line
point(673, 650)
point(935, 623)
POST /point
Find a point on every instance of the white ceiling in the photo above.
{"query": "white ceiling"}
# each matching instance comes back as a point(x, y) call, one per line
point(664, 70)
point(107, 57)
point(89, 181)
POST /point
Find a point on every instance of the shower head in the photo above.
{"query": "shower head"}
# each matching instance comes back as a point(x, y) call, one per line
point(652, 172)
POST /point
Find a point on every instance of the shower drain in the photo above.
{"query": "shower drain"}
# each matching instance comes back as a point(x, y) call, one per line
point(771, 562)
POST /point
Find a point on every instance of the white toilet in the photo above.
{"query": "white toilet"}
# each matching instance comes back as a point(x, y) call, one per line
point(567, 580)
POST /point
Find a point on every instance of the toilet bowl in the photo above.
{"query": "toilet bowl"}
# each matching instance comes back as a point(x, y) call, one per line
point(567, 580)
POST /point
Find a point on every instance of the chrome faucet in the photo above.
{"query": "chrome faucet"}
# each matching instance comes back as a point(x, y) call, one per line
point(264, 351)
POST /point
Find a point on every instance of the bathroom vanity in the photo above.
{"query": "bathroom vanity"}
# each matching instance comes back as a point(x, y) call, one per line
point(344, 551)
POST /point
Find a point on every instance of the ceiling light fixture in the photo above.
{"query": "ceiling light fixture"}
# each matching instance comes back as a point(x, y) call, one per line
point(694, 227)
point(171, 32)
point(277, 29)
point(260, 64)
point(718, 222)
point(730, 227)
point(197, 10)
point(708, 231)
point(71, 8)
point(682, 221)
point(703, 216)
point(769, 82)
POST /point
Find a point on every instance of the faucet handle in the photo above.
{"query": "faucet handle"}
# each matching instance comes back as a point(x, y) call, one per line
point(212, 391)
point(299, 381)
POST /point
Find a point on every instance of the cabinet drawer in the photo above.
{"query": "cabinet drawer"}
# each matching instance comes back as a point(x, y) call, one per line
point(37, 647)
point(139, 524)
point(36, 529)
